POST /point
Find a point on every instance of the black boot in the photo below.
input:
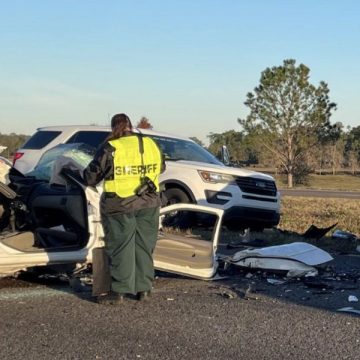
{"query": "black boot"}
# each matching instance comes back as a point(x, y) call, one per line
point(112, 298)
point(143, 295)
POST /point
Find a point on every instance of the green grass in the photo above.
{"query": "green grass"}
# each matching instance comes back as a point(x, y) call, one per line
point(298, 213)
point(342, 181)
point(326, 182)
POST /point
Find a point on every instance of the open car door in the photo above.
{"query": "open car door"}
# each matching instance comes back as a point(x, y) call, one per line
point(188, 239)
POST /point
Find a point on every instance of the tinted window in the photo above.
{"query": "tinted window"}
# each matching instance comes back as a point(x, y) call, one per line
point(177, 149)
point(93, 138)
point(41, 139)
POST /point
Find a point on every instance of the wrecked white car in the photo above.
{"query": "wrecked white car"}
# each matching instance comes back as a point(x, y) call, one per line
point(51, 219)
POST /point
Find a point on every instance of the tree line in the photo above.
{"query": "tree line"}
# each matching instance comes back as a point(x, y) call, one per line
point(335, 152)
point(12, 142)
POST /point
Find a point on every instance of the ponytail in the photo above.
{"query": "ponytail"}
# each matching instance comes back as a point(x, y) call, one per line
point(120, 126)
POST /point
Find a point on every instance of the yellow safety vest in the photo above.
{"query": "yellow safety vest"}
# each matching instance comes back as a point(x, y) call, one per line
point(128, 165)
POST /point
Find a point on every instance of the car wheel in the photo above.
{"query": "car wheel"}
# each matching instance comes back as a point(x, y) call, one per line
point(175, 196)
point(178, 219)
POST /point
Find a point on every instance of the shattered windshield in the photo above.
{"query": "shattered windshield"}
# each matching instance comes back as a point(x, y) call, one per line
point(80, 153)
point(178, 149)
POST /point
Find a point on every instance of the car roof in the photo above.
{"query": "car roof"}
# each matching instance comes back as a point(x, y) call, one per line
point(68, 128)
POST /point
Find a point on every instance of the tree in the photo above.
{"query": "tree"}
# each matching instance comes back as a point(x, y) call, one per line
point(287, 112)
point(331, 146)
point(12, 142)
point(232, 139)
point(144, 123)
point(198, 141)
point(240, 147)
point(352, 148)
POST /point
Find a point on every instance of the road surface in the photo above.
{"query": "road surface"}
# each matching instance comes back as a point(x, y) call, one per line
point(242, 317)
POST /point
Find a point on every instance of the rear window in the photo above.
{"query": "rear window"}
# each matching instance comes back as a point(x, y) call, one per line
point(93, 138)
point(40, 139)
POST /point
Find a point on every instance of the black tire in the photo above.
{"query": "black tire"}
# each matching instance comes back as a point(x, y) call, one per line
point(175, 196)
point(182, 219)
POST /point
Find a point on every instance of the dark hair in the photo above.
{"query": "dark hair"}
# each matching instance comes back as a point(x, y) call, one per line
point(120, 126)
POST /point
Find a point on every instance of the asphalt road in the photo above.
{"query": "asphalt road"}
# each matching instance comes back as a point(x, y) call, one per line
point(321, 193)
point(237, 318)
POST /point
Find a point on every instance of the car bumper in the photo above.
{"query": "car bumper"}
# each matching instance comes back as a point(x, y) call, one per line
point(244, 217)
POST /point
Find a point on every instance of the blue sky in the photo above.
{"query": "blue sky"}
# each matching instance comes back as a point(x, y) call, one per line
point(187, 65)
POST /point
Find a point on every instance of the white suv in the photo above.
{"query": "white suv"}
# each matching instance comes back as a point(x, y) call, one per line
point(193, 175)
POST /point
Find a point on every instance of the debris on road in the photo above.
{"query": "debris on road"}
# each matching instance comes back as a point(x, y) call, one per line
point(298, 258)
point(313, 232)
point(252, 243)
point(275, 281)
point(339, 234)
point(344, 241)
point(353, 298)
point(350, 310)
point(317, 283)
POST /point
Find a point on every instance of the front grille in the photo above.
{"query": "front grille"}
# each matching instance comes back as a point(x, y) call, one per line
point(256, 186)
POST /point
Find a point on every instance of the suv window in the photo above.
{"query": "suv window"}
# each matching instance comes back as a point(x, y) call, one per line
point(93, 138)
point(40, 139)
point(178, 149)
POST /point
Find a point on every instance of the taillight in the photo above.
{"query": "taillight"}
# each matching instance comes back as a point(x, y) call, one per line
point(17, 156)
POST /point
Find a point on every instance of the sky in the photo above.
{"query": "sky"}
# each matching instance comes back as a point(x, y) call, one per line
point(186, 65)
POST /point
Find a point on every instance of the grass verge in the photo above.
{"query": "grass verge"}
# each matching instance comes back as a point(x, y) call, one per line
point(298, 213)
point(326, 182)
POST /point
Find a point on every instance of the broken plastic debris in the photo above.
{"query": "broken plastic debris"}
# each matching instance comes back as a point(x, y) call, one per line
point(344, 241)
point(339, 234)
point(300, 273)
point(228, 295)
point(297, 258)
point(349, 310)
point(317, 284)
point(313, 232)
point(241, 244)
point(275, 281)
point(353, 298)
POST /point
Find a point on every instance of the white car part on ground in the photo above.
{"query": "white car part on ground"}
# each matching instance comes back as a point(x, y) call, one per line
point(298, 258)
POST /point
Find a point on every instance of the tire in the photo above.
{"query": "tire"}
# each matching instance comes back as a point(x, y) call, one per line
point(178, 219)
point(175, 196)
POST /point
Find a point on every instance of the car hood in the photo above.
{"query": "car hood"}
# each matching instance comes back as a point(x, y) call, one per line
point(217, 168)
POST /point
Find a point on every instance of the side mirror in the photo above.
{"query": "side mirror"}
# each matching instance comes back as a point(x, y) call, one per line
point(225, 156)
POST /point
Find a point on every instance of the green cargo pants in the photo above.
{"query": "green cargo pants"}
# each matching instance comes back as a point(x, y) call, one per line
point(129, 242)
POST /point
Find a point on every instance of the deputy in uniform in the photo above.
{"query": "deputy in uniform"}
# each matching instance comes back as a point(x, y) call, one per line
point(130, 165)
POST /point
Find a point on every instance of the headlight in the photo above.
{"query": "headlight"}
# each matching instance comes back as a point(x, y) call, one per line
point(212, 177)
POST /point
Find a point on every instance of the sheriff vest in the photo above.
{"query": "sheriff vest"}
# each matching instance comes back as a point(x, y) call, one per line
point(136, 169)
